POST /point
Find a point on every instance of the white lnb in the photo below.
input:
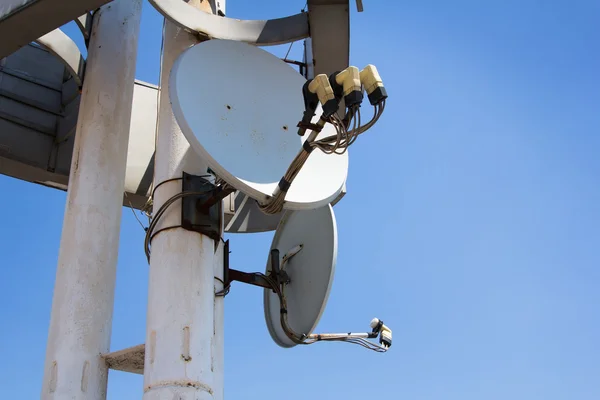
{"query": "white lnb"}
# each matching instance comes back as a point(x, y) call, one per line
point(386, 337)
point(350, 80)
point(374, 323)
point(385, 333)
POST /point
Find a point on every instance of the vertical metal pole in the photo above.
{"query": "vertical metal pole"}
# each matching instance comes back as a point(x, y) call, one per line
point(218, 345)
point(179, 361)
point(81, 319)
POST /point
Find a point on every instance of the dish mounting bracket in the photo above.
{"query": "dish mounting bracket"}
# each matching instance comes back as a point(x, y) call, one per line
point(202, 212)
point(252, 278)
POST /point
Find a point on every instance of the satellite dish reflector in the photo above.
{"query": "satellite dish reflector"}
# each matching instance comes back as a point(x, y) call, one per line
point(310, 270)
point(242, 121)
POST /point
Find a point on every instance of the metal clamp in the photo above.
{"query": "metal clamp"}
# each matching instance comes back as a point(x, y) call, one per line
point(202, 212)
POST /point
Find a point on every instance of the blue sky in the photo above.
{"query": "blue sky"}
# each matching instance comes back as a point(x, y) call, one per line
point(471, 223)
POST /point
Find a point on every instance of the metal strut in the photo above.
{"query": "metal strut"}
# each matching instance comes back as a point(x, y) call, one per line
point(271, 281)
point(249, 278)
point(275, 281)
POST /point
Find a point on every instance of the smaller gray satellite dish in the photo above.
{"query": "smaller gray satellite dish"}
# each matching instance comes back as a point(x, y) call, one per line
point(307, 244)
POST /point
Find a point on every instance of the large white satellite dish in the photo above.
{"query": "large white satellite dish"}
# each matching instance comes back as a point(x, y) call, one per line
point(243, 119)
point(310, 270)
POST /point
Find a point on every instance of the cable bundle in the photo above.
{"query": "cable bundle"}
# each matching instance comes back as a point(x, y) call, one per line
point(313, 338)
point(344, 137)
point(163, 208)
point(334, 144)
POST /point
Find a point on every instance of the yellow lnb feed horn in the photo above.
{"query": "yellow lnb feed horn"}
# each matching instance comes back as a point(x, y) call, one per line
point(347, 84)
point(322, 88)
point(373, 84)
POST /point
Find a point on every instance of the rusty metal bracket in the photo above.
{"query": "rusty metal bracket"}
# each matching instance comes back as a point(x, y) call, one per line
point(252, 278)
point(218, 194)
point(249, 278)
point(202, 212)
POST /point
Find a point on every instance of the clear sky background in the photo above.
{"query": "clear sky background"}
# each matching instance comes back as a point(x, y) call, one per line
point(471, 223)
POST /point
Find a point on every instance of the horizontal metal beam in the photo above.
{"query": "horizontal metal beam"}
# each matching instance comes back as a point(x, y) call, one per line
point(127, 360)
point(257, 32)
point(31, 173)
point(23, 21)
point(249, 278)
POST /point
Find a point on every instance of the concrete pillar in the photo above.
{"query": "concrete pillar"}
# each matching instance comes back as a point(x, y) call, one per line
point(179, 360)
point(82, 306)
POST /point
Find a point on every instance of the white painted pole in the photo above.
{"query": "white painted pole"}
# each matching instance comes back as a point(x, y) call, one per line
point(219, 323)
point(219, 306)
point(179, 360)
point(81, 318)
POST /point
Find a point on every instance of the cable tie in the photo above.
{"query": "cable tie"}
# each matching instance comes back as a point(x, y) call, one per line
point(309, 126)
point(307, 147)
point(284, 185)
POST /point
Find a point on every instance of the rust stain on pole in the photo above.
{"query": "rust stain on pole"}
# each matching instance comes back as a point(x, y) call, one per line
point(185, 354)
point(53, 377)
point(179, 383)
point(84, 376)
point(152, 346)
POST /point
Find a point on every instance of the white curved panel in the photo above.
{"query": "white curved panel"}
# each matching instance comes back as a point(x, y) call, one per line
point(142, 131)
point(257, 32)
point(59, 44)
